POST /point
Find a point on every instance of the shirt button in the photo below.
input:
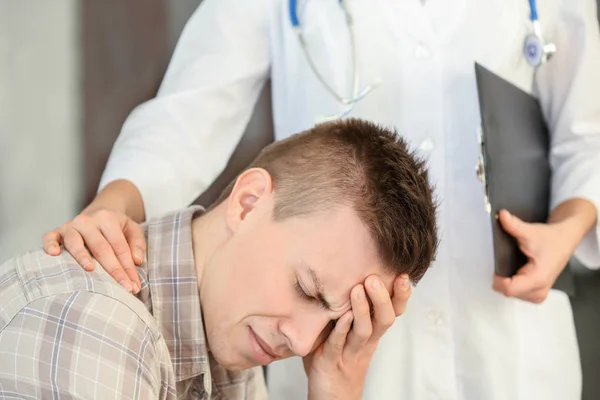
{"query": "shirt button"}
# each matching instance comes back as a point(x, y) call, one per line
point(422, 51)
point(426, 145)
point(435, 317)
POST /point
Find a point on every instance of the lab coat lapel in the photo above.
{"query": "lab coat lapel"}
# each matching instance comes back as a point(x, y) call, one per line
point(416, 19)
point(405, 18)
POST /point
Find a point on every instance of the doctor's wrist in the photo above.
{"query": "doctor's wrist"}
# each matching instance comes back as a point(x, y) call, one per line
point(119, 196)
point(573, 219)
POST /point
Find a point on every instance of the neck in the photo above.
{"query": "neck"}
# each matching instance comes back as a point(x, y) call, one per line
point(208, 231)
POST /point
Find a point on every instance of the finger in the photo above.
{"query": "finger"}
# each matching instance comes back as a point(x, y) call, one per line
point(52, 241)
point(520, 285)
point(334, 345)
point(113, 232)
point(515, 227)
point(538, 296)
point(75, 246)
point(134, 234)
point(323, 336)
point(102, 251)
point(362, 328)
point(383, 310)
point(402, 291)
point(532, 295)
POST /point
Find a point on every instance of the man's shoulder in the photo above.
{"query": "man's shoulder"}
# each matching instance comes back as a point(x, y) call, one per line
point(35, 275)
point(67, 342)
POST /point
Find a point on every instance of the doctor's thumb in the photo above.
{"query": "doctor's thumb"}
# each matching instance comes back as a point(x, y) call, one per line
point(512, 224)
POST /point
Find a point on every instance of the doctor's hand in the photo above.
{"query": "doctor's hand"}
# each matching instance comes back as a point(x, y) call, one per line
point(548, 247)
point(338, 367)
point(113, 239)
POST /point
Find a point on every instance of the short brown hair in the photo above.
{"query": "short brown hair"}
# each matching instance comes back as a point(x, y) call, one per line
point(365, 166)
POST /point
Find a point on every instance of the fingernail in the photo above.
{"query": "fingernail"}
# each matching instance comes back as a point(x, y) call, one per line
point(139, 256)
point(86, 263)
point(405, 283)
point(376, 285)
point(359, 294)
point(137, 287)
point(126, 285)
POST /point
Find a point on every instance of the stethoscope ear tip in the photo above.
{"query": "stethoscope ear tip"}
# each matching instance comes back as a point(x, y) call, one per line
point(320, 119)
point(376, 82)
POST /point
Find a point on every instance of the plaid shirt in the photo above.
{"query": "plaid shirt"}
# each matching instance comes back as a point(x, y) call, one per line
point(66, 333)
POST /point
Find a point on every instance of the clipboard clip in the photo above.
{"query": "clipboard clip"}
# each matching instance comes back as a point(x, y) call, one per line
point(480, 171)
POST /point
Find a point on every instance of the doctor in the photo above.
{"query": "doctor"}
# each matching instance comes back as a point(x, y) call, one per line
point(467, 335)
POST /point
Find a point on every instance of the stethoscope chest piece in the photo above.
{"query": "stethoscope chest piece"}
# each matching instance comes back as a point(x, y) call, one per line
point(536, 51)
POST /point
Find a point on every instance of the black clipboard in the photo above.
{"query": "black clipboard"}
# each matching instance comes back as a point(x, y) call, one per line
point(514, 166)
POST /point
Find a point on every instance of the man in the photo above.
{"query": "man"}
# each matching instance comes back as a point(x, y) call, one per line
point(286, 263)
point(469, 334)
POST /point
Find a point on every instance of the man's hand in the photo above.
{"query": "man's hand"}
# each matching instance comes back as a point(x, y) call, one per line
point(548, 248)
point(337, 369)
point(115, 240)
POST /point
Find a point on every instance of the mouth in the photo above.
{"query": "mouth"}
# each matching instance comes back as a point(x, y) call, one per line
point(262, 352)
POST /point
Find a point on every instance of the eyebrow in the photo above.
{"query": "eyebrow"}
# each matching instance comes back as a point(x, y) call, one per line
point(318, 286)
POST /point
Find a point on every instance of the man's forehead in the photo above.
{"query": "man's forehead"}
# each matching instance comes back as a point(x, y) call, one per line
point(334, 290)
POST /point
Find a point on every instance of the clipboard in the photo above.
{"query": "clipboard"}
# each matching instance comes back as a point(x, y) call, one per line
point(513, 166)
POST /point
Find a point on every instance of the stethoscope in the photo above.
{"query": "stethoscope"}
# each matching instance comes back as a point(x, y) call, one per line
point(535, 50)
point(357, 93)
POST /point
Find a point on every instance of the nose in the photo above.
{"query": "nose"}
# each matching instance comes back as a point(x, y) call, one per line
point(304, 332)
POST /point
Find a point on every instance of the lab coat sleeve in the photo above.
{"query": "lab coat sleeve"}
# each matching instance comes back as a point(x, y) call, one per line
point(173, 146)
point(569, 88)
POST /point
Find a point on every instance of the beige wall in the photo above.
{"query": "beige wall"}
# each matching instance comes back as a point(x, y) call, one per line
point(39, 120)
point(41, 115)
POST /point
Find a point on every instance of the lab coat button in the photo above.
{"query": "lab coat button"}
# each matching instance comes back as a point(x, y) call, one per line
point(422, 51)
point(435, 317)
point(426, 145)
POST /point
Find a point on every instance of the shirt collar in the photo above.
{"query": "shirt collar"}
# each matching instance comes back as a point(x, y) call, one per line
point(173, 287)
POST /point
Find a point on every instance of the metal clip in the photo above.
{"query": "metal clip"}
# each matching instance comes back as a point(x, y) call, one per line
point(480, 171)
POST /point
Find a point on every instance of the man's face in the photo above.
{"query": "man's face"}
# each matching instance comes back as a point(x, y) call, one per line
point(273, 289)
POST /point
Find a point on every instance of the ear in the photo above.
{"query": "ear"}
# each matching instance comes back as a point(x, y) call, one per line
point(252, 189)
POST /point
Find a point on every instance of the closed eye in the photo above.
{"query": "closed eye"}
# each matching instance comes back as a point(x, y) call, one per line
point(302, 293)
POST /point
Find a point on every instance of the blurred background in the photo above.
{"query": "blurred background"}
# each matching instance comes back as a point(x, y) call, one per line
point(70, 73)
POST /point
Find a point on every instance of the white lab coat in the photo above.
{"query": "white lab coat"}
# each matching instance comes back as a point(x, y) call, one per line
point(458, 338)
